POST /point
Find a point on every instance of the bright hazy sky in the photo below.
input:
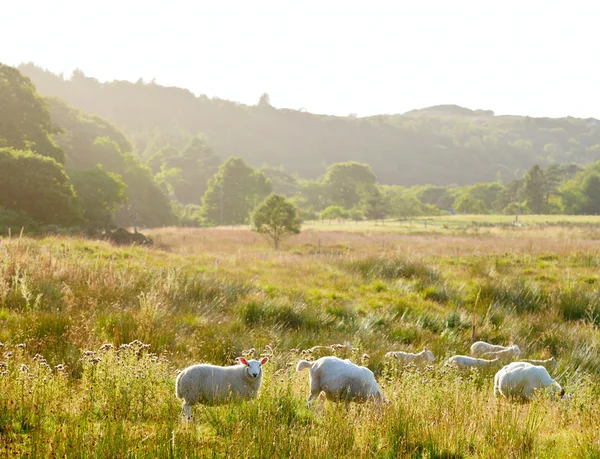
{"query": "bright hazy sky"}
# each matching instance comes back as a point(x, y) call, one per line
point(529, 57)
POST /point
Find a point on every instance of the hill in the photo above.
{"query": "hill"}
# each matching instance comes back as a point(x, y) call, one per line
point(439, 145)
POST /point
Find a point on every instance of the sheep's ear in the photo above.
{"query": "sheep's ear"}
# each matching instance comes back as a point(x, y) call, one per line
point(264, 360)
point(243, 360)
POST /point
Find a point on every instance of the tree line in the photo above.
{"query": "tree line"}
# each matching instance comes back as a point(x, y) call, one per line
point(61, 167)
point(443, 145)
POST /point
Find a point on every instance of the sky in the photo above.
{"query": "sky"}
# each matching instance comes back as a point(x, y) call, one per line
point(525, 57)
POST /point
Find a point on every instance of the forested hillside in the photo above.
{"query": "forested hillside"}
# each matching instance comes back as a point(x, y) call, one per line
point(440, 145)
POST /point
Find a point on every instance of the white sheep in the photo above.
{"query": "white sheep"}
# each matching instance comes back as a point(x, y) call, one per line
point(522, 379)
point(481, 347)
point(214, 385)
point(340, 380)
point(549, 364)
point(511, 352)
point(464, 362)
point(423, 357)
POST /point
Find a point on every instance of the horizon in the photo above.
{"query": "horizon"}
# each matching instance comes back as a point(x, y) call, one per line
point(384, 58)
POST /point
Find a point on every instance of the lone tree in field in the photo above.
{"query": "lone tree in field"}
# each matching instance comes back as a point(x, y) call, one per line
point(276, 218)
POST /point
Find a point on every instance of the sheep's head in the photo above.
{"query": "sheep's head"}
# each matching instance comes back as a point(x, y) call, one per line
point(516, 349)
point(428, 355)
point(253, 367)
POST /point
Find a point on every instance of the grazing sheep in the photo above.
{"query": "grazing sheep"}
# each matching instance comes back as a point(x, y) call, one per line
point(522, 379)
point(340, 380)
point(213, 385)
point(549, 364)
point(481, 347)
point(510, 352)
point(425, 356)
point(464, 361)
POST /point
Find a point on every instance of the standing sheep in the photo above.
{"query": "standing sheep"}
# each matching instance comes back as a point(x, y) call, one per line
point(510, 352)
point(464, 362)
point(425, 356)
point(214, 385)
point(522, 379)
point(481, 347)
point(340, 380)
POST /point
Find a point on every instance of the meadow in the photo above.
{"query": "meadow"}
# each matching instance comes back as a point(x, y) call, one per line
point(93, 336)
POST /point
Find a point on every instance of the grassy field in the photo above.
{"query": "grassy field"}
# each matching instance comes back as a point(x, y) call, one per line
point(93, 336)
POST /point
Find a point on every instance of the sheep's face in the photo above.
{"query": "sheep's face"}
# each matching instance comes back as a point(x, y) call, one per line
point(516, 349)
point(253, 367)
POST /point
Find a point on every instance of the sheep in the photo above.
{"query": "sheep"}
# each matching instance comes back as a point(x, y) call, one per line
point(549, 364)
point(214, 385)
point(425, 356)
point(522, 379)
point(340, 380)
point(481, 347)
point(505, 354)
point(464, 362)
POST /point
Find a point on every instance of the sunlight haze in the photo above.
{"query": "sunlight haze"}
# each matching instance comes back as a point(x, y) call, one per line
point(533, 58)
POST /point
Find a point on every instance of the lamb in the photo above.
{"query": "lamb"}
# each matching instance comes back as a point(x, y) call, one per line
point(214, 385)
point(505, 354)
point(425, 356)
point(522, 379)
point(464, 362)
point(481, 347)
point(549, 364)
point(340, 380)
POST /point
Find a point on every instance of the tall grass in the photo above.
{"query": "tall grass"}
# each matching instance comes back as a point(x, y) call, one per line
point(114, 325)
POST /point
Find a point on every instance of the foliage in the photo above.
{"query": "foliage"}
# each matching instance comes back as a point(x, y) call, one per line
point(349, 182)
point(87, 140)
point(14, 221)
point(148, 205)
point(25, 123)
point(234, 191)
point(276, 218)
point(334, 212)
point(99, 194)
point(443, 145)
point(37, 185)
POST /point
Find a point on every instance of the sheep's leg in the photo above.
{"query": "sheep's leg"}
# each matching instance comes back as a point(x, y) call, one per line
point(187, 412)
point(321, 405)
point(311, 398)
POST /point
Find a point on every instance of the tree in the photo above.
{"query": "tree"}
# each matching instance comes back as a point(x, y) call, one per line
point(147, 204)
point(535, 189)
point(233, 193)
point(466, 203)
point(198, 163)
point(25, 122)
point(37, 185)
point(331, 212)
point(375, 206)
point(276, 218)
point(99, 194)
point(349, 182)
point(264, 100)
point(591, 190)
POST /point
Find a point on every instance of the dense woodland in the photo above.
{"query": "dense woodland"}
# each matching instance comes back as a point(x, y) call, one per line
point(77, 153)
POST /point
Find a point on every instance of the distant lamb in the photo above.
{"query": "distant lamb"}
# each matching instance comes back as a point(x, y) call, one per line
point(464, 362)
point(522, 379)
point(423, 357)
point(214, 385)
point(549, 364)
point(481, 347)
point(510, 352)
point(340, 380)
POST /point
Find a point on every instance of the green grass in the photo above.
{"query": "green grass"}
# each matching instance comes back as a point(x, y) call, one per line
point(64, 298)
